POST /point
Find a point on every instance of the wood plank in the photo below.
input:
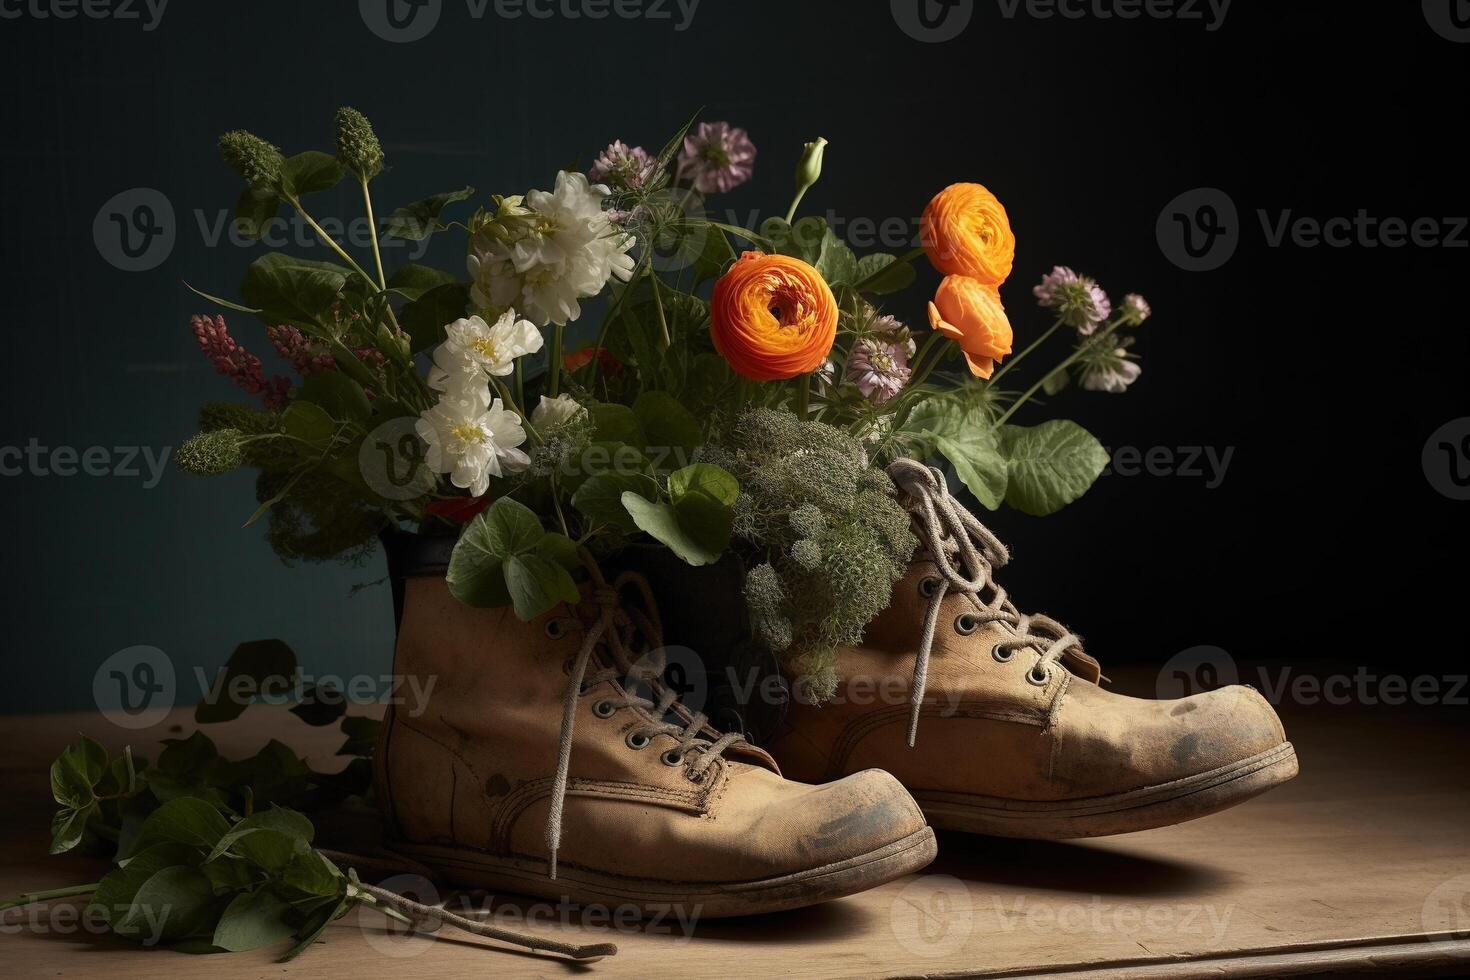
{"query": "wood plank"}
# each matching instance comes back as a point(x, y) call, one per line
point(1362, 862)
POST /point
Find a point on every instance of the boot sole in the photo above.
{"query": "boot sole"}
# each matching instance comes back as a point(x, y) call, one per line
point(466, 868)
point(1120, 813)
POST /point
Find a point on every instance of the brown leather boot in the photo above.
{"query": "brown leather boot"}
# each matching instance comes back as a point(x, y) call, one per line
point(1015, 737)
point(533, 768)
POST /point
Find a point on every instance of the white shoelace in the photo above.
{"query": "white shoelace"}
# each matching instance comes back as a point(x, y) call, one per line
point(953, 535)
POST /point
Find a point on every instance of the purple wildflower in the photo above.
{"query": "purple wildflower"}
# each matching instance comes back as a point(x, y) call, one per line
point(1135, 309)
point(879, 369)
point(623, 166)
point(1079, 301)
point(716, 157)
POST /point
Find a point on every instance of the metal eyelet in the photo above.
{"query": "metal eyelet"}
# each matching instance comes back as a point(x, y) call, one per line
point(555, 629)
point(637, 740)
point(1038, 675)
point(965, 624)
point(673, 757)
point(928, 586)
point(1002, 655)
point(604, 709)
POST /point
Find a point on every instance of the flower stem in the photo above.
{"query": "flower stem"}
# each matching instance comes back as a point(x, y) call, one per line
point(553, 366)
point(1029, 348)
point(658, 302)
point(1071, 359)
point(328, 240)
point(514, 406)
point(791, 211)
point(367, 200)
point(30, 898)
point(803, 395)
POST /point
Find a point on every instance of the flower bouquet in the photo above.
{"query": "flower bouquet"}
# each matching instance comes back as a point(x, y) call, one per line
point(741, 394)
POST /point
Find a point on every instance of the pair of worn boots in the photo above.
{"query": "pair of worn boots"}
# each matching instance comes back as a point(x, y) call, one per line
point(551, 760)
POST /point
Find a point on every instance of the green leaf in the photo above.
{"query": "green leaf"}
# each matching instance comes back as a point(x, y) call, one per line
point(413, 280)
point(258, 663)
point(478, 571)
point(882, 273)
point(660, 522)
point(252, 920)
point(174, 903)
point(69, 826)
point(600, 499)
point(254, 211)
point(187, 757)
point(285, 289)
point(312, 875)
point(341, 397)
point(76, 771)
point(537, 584)
point(1050, 465)
point(282, 824)
point(696, 523)
point(185, 820)
point(310, 423)
point(426, 317)
point(114, 895)
point(977, 461)
point(964, 434)
point(666, 424)
point(311, 172)
point(716, 254)
point(616, 423)
point(836, 262)
point(227, 304)
point(316, 925)
point(419, 220)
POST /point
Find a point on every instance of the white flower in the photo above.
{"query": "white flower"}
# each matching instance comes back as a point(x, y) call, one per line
point(562, 250)
point(493, 348)
point(472, 439)
point(551, 412)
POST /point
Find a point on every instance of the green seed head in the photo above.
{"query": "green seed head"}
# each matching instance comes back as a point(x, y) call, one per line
point(257, 161)
point(357, 145)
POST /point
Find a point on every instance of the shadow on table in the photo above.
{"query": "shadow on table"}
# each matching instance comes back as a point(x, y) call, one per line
point(1070, 866)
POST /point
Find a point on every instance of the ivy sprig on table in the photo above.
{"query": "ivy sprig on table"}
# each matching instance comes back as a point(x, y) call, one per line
point(195, 874)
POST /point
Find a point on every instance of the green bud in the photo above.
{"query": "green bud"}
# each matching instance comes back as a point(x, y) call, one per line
point(357, 145)
point(257, 161)
point(809, 167)
point(210, 453)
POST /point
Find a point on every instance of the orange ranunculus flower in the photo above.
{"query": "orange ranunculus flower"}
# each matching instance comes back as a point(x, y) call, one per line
point(968, 312)
point(772, 317)
point(965, 232)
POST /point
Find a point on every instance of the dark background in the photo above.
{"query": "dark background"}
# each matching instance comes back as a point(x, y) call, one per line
point(1324, 370)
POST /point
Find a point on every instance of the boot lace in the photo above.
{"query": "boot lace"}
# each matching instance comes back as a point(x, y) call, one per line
point(615, 627)
point(966, 555)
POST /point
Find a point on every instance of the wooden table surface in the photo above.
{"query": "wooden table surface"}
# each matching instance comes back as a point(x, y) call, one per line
point(1361, 863)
